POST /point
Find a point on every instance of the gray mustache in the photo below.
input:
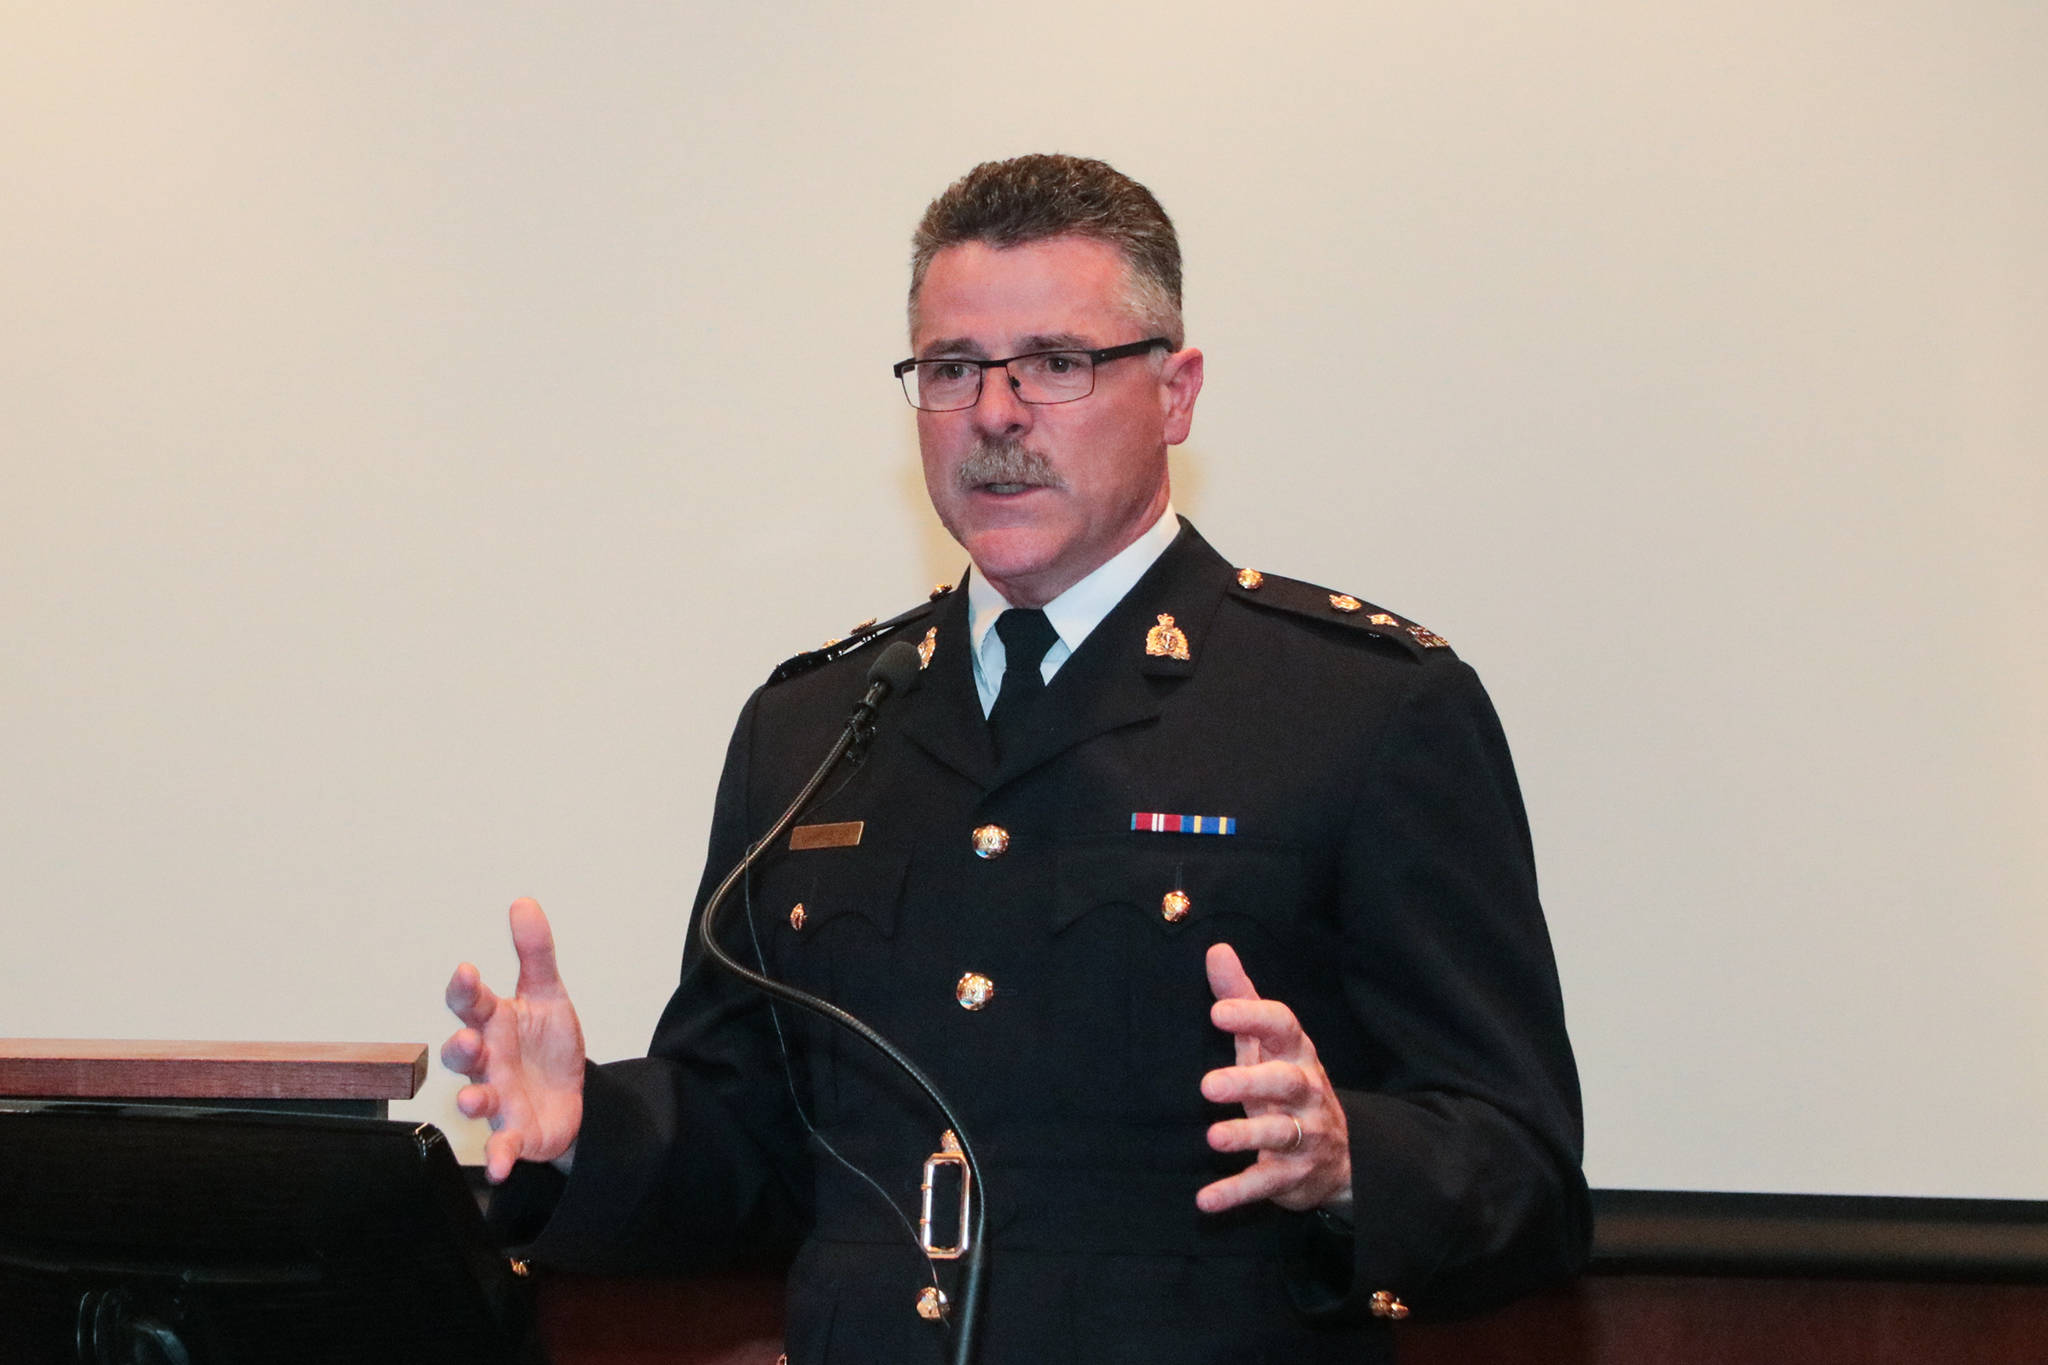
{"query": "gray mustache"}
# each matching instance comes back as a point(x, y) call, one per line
point(1005, 460)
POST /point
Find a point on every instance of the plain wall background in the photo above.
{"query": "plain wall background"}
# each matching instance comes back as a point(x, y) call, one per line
point(423, 424)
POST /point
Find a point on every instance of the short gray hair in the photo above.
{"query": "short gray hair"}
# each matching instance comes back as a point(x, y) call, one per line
point(1033, 198)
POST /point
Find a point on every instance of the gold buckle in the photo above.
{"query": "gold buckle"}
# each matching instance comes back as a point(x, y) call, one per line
point(949, 1154)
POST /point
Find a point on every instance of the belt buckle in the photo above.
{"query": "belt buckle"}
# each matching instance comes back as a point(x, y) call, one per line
point(949, 1154)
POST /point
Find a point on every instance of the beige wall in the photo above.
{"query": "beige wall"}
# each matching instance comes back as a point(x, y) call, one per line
point(422, 424)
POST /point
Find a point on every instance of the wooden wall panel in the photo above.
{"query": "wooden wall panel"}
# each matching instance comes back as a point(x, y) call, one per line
point(1730, 1320)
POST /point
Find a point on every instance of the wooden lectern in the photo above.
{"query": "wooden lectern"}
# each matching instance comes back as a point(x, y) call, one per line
point(240, 1204)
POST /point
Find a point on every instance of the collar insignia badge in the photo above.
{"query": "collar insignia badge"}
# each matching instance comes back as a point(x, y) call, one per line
point(925, 647)
point(1166, 640)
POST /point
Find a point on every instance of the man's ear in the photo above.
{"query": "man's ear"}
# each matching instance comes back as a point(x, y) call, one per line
point(1180, 382)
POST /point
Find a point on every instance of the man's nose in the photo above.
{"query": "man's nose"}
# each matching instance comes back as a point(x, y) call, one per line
point(999, 409)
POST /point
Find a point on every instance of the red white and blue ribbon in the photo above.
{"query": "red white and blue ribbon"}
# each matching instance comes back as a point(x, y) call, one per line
point(1153, 822)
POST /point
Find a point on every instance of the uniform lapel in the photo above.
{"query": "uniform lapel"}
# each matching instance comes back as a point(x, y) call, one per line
point(1111, 681)
point(943, 716)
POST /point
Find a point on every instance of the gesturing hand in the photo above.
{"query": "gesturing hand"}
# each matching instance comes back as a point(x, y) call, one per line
point(1292, 1118)
point(523, 1054)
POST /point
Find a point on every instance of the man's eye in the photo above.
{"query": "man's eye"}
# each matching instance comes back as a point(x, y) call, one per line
point(947, 371)
point(1050, 366)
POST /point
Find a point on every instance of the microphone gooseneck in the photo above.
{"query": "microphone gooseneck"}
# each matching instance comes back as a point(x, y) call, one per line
point(895, 671)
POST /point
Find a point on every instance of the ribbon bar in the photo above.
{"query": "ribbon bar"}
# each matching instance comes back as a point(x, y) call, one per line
point(1154, 822)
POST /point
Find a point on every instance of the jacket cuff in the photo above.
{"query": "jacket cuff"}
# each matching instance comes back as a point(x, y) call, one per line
point(565, 1220)
point(1372, 1262)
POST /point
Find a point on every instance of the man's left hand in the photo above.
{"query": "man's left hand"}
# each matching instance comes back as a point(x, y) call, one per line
point(1292, 1118)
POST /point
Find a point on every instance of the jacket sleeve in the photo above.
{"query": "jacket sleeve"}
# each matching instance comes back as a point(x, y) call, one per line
point(694, 1156)
point(1466, 1131)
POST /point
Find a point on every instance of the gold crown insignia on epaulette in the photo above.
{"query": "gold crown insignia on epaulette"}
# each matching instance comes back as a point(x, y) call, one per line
point(1306, 599)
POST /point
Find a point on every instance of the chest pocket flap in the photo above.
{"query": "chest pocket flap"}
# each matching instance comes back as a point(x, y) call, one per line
point(1176, 881)
point(816, 894)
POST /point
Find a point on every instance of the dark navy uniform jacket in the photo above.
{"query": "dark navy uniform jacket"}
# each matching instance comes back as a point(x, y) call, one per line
point(1379, 880)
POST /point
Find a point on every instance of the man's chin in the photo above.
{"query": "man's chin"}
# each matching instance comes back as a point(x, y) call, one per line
point(1012, 555)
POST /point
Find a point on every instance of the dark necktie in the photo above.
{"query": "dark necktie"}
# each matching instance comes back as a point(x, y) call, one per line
point(1026, 636)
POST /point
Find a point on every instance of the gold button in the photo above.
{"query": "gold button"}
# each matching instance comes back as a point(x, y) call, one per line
point(1174, 906)
point(1385, 1305)
point(796, 915)
point(931, 1303)
point(991, 841)
point(1250, 579)
point(1345, 602)
point(855, 630)
point(973, 991)
point(940, 590)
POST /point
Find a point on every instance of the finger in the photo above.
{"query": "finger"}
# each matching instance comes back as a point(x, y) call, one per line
point(1269, 1022)
point(534, 941)
point(1260, 1180)
point(1281, 1083)
point(477, 1101)
point(500, 1153)
point(1273, 1133)
point(1227, 980)
point(472, 1001)
point(464, 1053)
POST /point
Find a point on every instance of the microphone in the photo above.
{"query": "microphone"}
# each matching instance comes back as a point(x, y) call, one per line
point(896, 670)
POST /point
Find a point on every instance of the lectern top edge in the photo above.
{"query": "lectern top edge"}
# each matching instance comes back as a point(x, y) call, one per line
point(82, 1068)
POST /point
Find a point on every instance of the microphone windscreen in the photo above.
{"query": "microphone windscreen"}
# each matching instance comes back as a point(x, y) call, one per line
point(898, 667)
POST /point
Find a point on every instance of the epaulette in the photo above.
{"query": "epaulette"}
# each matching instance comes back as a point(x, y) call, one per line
point(861, 636)
point(1337, 609)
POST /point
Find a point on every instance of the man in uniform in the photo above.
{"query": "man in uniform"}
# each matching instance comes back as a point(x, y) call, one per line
point(1206, 896)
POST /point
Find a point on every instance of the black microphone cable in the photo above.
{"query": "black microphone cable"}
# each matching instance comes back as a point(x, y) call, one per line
point(894, 671)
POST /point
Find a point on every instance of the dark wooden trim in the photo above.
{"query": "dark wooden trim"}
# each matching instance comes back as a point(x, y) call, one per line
point(1679, 1232)
point(1649, 1319)
point(106, 1068)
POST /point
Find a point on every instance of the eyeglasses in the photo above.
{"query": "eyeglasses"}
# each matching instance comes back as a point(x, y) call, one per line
point(1040, 377)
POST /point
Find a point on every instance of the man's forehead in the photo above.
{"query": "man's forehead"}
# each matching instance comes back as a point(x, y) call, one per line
point(980, 348)
point(1058, 292)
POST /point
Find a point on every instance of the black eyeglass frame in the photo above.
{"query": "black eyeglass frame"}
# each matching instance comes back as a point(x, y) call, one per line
point(1095, 358)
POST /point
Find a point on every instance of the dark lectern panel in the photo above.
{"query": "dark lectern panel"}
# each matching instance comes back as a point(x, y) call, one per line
point(137, 1236)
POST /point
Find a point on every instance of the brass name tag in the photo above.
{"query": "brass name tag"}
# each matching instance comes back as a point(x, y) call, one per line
point(845, 834)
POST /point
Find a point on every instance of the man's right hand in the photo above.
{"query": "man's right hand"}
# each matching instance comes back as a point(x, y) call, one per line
point(523, 1054)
